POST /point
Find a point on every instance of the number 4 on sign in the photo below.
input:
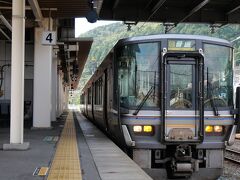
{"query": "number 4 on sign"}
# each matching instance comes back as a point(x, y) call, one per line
point(49, 38)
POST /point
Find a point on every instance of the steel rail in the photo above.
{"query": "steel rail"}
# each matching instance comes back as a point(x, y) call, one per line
point(230, 158)
point(233, 151)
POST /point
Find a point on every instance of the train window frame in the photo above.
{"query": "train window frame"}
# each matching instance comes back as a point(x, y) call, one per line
point(98, 89)
point(82, 99)
point(95, 93)
point(116, 73)
point(89, 100)
point(231, 103)
point(193, 77)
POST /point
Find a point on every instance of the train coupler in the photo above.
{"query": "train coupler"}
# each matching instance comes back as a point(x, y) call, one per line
point(182, 169)
point(182, 164)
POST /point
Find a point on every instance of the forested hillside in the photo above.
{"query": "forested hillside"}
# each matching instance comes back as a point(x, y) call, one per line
point(106, 36)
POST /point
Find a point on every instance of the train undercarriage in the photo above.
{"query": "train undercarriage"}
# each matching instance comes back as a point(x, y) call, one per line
point(181, 161)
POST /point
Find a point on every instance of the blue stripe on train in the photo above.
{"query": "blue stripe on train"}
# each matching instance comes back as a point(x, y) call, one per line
point(178, 118)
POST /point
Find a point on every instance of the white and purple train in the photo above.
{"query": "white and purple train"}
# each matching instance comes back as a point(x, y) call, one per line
point(168, 101)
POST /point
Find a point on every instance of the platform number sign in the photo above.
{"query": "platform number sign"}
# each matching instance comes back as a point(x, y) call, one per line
point(49, 38)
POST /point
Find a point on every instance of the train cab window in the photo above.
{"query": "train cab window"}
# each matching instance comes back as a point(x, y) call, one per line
point(138, 74)
point(218, 78)
point(90, 96)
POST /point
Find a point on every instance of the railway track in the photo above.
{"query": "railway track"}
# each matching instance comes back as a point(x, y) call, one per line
point(233, 156)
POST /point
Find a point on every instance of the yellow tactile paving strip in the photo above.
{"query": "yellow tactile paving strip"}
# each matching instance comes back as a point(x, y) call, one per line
point(66, 164)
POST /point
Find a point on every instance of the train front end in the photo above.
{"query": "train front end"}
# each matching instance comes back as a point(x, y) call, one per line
point(175, 99)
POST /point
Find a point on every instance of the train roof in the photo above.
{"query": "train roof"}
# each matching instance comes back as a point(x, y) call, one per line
point(173, 36)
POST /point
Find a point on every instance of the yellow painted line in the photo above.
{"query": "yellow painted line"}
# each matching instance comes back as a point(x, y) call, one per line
point(66, 164)
point(43, 171)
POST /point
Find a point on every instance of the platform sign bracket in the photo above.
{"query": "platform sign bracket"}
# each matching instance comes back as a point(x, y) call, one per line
point(49, 38)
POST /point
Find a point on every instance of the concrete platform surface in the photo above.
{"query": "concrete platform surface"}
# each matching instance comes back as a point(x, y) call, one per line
point(20, 165)
point(111, 162)
point(100, 158)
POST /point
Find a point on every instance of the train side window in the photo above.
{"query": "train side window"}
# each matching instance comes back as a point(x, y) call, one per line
point(82, 99)
point(89, 95)
point(98, 92)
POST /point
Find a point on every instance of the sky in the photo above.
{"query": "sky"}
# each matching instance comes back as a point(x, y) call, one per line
point(82, 25)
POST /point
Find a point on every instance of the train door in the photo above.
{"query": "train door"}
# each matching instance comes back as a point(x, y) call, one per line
point(182, 102)
point(105, 99)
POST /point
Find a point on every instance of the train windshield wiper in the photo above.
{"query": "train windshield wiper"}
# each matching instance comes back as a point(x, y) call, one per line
point(213, 104)
point(144, 100)
point(212, 101)
point(150, 91)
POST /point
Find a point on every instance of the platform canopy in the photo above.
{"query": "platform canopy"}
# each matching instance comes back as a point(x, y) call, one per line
point(58, 8)
point(197, 11)
point(176, 11)
point(219, 12)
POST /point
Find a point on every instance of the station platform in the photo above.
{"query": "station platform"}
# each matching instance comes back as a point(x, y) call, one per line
point(72, 149)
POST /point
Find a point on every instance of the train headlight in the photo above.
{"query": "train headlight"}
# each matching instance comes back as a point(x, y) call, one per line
point(137, 129)
point(208, 129)
point(218, 129)
point(144, 130)
point(214, 130)
point(147, 129)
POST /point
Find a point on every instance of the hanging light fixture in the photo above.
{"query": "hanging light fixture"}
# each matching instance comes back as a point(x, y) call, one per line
point(92, 15)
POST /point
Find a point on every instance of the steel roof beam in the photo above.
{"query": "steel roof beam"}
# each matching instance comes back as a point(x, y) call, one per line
point(28, 8)
point(5, 22)
point(115, 4)
point(194, 10)
point(155, 8)
point(233, 10)
point(5, 34)
point(158, 5)
point(36, 11)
